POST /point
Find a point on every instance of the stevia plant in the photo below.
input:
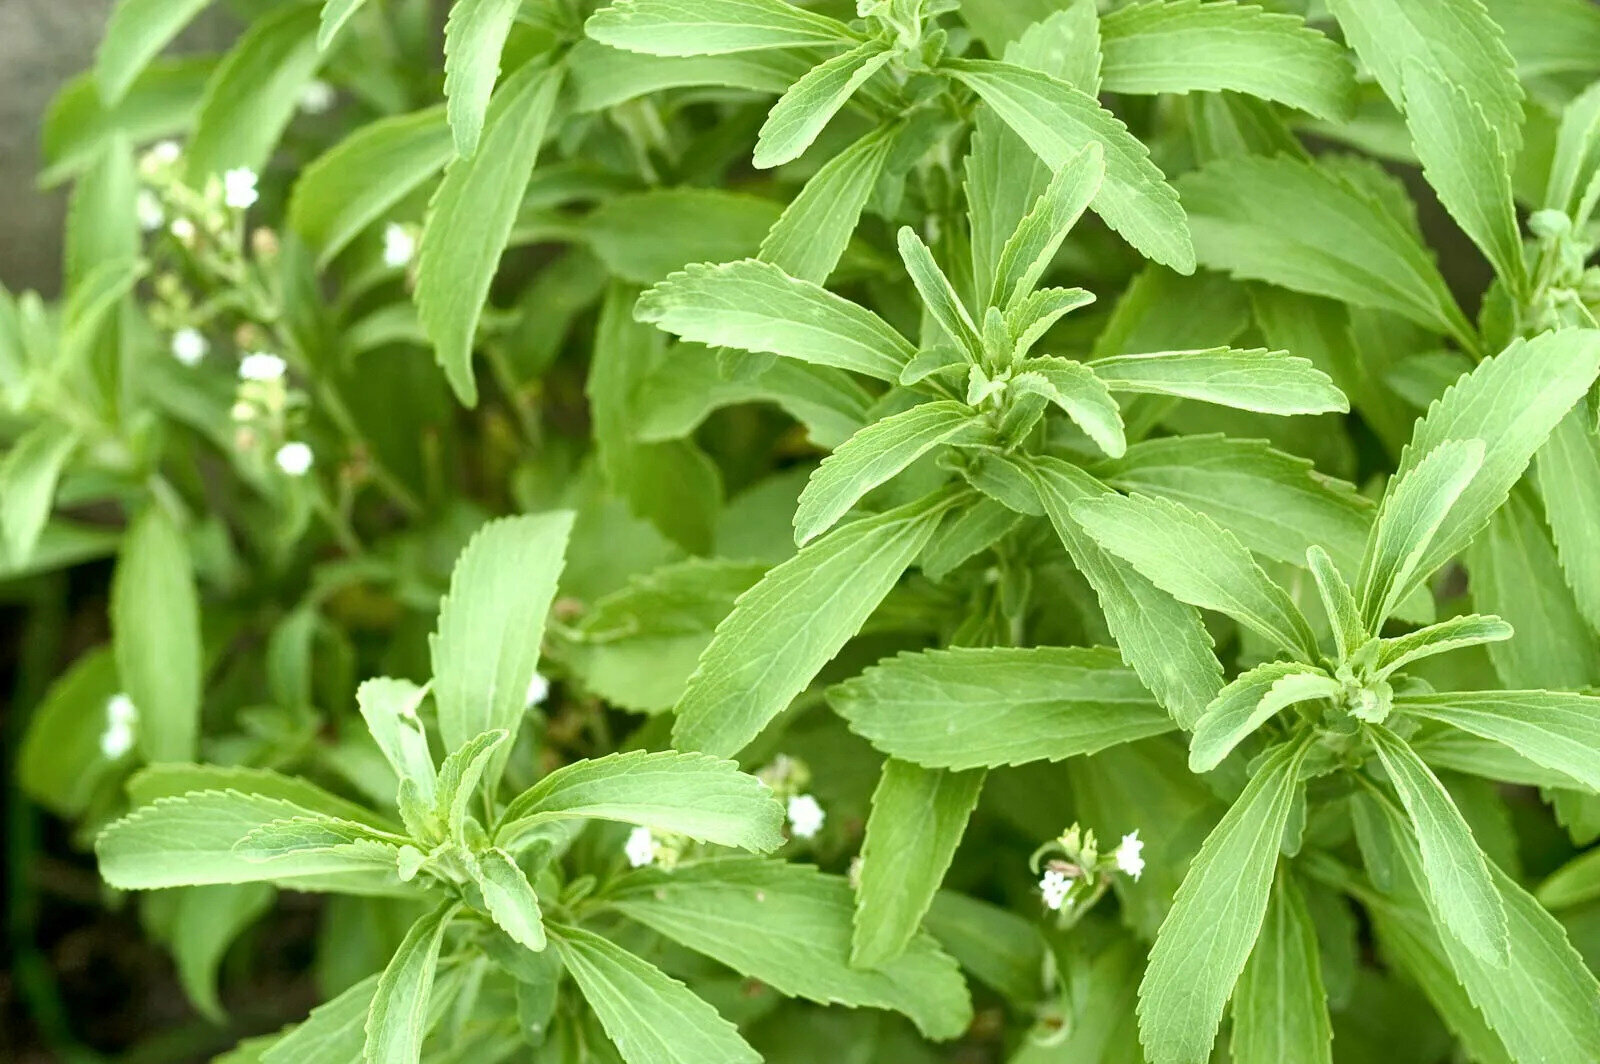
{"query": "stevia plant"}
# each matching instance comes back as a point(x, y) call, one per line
point(1137, 549)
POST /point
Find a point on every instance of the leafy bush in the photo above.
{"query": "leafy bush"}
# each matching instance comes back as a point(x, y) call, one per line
point(1178, 520)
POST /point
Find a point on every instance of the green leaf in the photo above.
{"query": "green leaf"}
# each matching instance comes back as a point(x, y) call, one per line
point(28, 478)
point(1250, 701)
point(1343, 244)
point(470, 219)
point(333, 1033)
point(206, 922)
point(712, 27)
point(1457, 38)
point(644, 236)
point(917, 820)
point(1280, 1009)
point(810, 104)
point(788, 925)
point(390, 709)
point(78, 124)
point(1035, 313)
point(1455, 872)
point(1188, 46)
point(509, 899)
point(1338, 602)
point(135, 33)
point(335, 13)
point(173, 780)
point(808, 239)
point(1272, 382)
point(1567, 470)
point(755, 306)
point(1277, 504)
point(254, 93)
point(1512, 401)
point(1083, 397)
point(649, 1016)
point(875, 455)
point(759, 659)
point(397, 1022)
point(1414, 508)
point(1574, 883)
point(1574, 164)
point(474, 37)
point(999, 947)
point(491, 622)
point(1464, 631)
point(1195, 560)
point(60, 764)
point(190, 841)
point(705, 798)
point(1556, 729)
point(938, 294)
point(968, 707)
point(1209, 934)
point(1468, 166)
point(459, 776)
point(603, 77)
point(1032, 246)
point(1057, 121)
point(364, 176)
point(1163, 640)
point(155, 625)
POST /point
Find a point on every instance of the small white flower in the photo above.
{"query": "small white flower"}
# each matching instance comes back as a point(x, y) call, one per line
point(398, 246)
point(1054, 885)
point(261, 366)
point(182, 228)
point(188, 346)
point(1129, 854)
point(538, 690)
point(294, 458)
point(151, 214)
point(317, 97)
point(239, 188)
point(121, 716)
point(805, 816)
point(160, 155)
point(640, 847)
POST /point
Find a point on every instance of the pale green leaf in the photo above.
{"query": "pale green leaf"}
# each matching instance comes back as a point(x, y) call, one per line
point(474, 37)
point(1338, 602)
point(938, 294)
point(1464, 631)
point(1032, 246)
point(135, 33)
point(712, 27)
point(802, 112)
point(755, 306)
point(1188, 46)
point(789, 926)
point(967, 707)
point(1208, 936)
point(1556, 729)
point(335, 13)
point(1081, 394)
point(917, 820)
point(1032, 316)
point(702, 797)
point(649, 1016)
point(603, 77)
point(1280, 1010)
point(759, 659)
point(808, 239)
point(155, 625)
point(59, 762)
point(334, 1033)
point(390, 709)
point(1567, 470)
point(1577, 154)
point(1272, 382)
point(1250, 701)
point(397, 1021)
point(510, 899)
point(28, 478)
point(174, 779)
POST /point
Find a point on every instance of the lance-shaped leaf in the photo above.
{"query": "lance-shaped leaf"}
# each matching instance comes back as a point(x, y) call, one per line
point(1455, 871)
point(810, 236)
point(649, 1016)
point(1057, 121)
point(1567, 470)
point(603, 77)
point(1574, 883)
point(135, 33)
point(491, 623)
point(1083, 397)
point(1343, 242)
point(917, 820)
point(474, 36)
point(1195, 560)
point(1033, 315)
point(938, 294)
point(509, 899)
point(1573, 167)
point(1207, 937)
point(1464, 631)
point(397, 1021)
point(875, 455)
point(28, 478)
point(712, 27)
point(155, 624)
point(1188, 46)
point(1556, 729)
point(1338, 602)
point(970, 707)
point(1272, 382)
point(361, 178)
point(1036, 239)
point(173, 780)
point(306, 835)
point(705, 798)
point(335, 13)
point(755, 306)
point(333, 1033)
point(1163, 639)
point(802, 112)
point(1250, 701)
point(1457, 39)
point(471, 216)
point(1415, 506)
point(1512, 401)
point(459, 776)
point(788, 925)
point(786, 628)
point(390, 709)
point(1280, 1009)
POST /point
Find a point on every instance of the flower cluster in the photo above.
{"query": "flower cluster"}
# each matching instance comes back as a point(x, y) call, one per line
point(1074, 874)
point(789, 777)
